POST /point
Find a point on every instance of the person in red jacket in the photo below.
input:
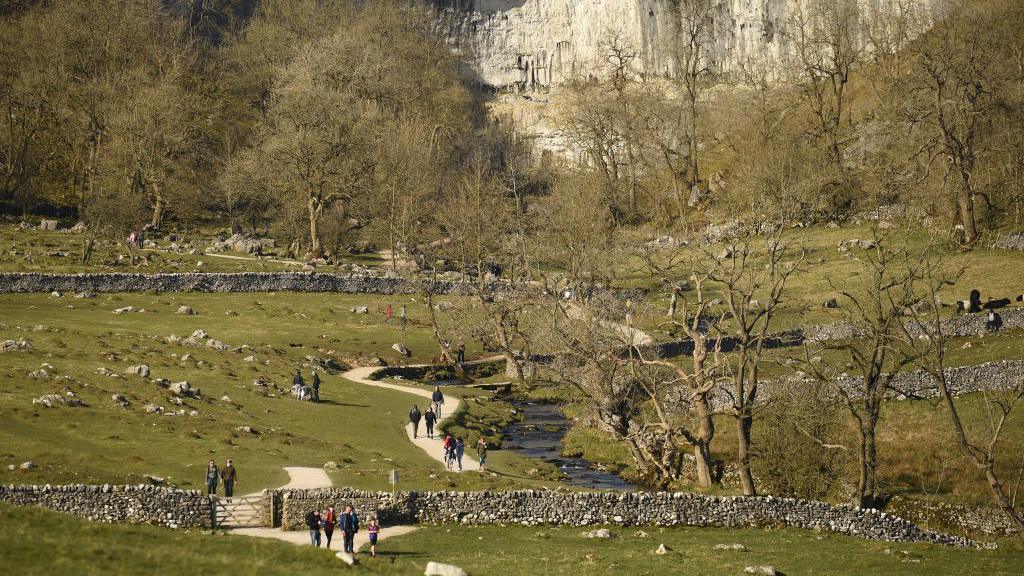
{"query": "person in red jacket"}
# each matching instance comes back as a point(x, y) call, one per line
point(329, 521)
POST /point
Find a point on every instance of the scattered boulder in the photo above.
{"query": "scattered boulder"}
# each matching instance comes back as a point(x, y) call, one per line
point(78, 228)
point(187, 310)
point(153, 409)
point(48, 225)
point(217, 345)
point(730, 547)
point(831, 303)
point(764, 570)
point(227, 399)
point(439, 569)
point(124, 310)
point(27, 465)
point(40, 374)
point(599, 533)
point(141, 370)
point(21, 345)
point(55, 294)
point(346, 558)
point(331, 465)
point(199, 334)
point(662, 550)
point(84, 295)
point(361, 310)
point(183, 389)
point(401, 349)
point(246, 430)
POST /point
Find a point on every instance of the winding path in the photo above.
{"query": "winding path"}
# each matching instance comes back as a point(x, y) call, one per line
point(432, 446)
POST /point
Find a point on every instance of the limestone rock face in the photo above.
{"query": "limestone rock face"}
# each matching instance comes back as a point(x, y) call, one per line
point(530, 44)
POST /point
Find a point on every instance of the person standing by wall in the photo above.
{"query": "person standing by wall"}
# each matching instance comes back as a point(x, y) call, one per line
point(228, 476)
point(313, 523)
point(329, 521)
point(212, 477)
point(349, 526)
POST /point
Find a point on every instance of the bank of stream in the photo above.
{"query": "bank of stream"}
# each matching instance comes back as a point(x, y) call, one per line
point(539, 435)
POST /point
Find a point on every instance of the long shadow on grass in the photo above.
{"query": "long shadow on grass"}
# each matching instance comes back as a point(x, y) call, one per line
point(336, 403)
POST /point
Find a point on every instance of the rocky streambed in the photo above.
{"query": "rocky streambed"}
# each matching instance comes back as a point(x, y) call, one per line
point(539, 435)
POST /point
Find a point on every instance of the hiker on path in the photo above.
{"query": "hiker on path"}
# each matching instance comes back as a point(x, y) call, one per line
point(387, 314)
point(438, 399)
point(401, 317)
point(313, 523)
point(460, 351)
point(449, 450)
point(228, 475)
point(212, 476)
point(414, 418)
point(316, 386)
point(349, 526)
point(428, 419)
point(329, 520)
point(460, 449)
point(372, 529)
point(298, 384)
point(481, 449)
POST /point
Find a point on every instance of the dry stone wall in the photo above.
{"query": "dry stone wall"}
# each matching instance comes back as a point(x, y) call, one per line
point(530, 507)
point(121, 504)
point(11, 282)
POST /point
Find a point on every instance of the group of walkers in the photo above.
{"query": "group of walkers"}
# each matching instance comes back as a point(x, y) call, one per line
point(454, 447)
point(347, 522)
point(303, 391)
point(226, 475)
point(136, 239)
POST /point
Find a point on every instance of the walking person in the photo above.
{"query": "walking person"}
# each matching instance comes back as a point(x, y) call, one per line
point(349, 526)
point(449, 450)
point(372, 529)
point(387, 314)
point(438, 399)
point(316, 386)
point(481, 450)
point(401, 316)
point(428, 419)
point(460, 351)
point(212, 477)
point(313, 523)
point(298, 384)
point(460, 449)
point(228, 475)
point(329, 521)
point(414, 419)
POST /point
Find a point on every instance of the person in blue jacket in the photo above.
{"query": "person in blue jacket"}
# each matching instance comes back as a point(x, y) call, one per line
point(349, 525)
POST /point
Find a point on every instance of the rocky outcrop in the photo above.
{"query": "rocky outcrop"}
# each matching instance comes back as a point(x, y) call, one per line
point(529, 507)
point(530, 44)
point(121, 504)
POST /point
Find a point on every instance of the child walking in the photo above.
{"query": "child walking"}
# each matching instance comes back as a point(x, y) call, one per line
point(372, 529)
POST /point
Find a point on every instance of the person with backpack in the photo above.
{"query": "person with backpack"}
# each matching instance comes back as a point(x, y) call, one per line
point(349, 526)
point(438, 399)
point(316, 386)
point(460, 449)
point(212, 477)
point(313, 523)
point(414, 419)
point(329, 521)
point(428, 419)
point(228, 476)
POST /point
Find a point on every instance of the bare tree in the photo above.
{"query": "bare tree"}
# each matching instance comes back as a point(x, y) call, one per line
point(980, 445)
point(874, 306)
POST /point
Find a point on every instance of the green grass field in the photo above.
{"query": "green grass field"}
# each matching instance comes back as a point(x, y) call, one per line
point(358, 427)
point(38, 542)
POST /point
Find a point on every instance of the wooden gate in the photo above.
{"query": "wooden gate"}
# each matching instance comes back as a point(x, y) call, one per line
point(245, 511)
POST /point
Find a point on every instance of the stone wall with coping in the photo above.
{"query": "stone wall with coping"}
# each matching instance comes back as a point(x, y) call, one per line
point(142, 504)
point(533, 507)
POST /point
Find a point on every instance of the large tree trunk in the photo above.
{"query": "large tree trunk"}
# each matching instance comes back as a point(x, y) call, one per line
point(743, 425)
point(315, 211)
point(702, 447)
point(966, 213)
point(158, 207)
